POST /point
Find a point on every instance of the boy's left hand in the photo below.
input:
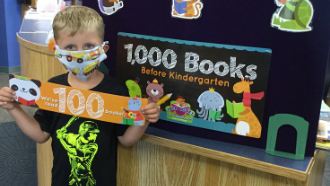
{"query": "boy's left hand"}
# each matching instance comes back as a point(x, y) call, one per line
point(151, 112)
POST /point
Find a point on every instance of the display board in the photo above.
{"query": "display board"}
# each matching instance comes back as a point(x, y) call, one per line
point(297, 33)
point(212, 84)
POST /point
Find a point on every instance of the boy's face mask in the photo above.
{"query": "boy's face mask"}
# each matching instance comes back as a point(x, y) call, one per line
point(81, 63)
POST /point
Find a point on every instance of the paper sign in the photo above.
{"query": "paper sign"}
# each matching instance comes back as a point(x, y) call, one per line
point(78, 102)
point(200, 78)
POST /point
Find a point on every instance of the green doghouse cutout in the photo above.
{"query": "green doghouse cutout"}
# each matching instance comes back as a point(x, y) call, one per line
point(279, 120)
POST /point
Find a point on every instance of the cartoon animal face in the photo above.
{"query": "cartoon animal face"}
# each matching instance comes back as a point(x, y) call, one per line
point(134, 104)
point(242, 86)
point(180, 101)
point(211, 99)
point(155, 90)
point(25, 89)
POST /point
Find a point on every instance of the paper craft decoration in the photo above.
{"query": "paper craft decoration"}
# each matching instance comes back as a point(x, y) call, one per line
point(164, 99)
point(83, 103)
point(133, 88)
point(293, 15)
point(299, 123)
point(200, 77)
point(179, 110)
point(109, 7)
point(187, 9)
point(233, 109)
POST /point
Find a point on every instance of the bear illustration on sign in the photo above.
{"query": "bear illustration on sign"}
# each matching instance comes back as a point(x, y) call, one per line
point(155, 91)
point(187, 9)
point(293, 15)
point(211, 103)
point(27, 91)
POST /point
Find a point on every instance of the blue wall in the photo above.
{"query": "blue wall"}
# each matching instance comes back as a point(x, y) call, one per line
point(10, 22)
point(3, 42)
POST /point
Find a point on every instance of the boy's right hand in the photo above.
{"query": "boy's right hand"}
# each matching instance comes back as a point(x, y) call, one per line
point(7, 97)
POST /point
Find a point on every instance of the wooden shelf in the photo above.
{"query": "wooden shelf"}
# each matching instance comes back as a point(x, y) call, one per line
point(230, 158)
point(34, 47)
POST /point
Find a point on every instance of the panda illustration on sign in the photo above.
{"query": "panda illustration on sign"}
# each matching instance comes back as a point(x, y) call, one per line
point(27, 91)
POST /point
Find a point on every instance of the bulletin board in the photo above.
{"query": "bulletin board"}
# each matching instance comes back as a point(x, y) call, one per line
point(298, 59)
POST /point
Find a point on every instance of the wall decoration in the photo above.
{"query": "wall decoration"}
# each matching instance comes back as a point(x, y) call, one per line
point(247, 122)
point(293, 15)
point(83, 103)
point(154, 90)
point(179, 110)
point(213, 86)
point(109, 7)
point(187, 9)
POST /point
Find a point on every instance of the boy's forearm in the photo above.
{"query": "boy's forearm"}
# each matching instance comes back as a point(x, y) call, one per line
point(133, 134)
point(28, 125)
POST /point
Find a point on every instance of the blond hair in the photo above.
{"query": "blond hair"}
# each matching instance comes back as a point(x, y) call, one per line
point(78, 18)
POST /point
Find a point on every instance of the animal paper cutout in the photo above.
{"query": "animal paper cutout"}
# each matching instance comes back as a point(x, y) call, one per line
point(293, 15)
point(187, 9)
point(109, 7)
point(210, 103)
point(180, 110)
point(155, 91)
point(133, 115)
point(248, 125)
point(27, 90)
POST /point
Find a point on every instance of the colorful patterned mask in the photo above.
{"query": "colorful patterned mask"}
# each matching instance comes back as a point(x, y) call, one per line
point(81, 63)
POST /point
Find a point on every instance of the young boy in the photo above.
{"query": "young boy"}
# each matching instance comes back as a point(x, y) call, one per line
point(85, 150)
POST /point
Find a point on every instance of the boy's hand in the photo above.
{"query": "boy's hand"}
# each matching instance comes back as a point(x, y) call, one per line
point(7, 97)
point(151, 112)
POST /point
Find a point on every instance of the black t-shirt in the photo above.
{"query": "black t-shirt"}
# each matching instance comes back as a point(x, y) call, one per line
point(85, 150)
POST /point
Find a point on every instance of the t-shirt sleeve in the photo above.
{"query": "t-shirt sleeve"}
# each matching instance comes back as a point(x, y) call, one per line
point(45, 120)
point(121, 129)
point(44, 117)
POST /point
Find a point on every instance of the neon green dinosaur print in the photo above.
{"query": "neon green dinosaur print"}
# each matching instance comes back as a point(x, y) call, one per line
point(81, 150)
